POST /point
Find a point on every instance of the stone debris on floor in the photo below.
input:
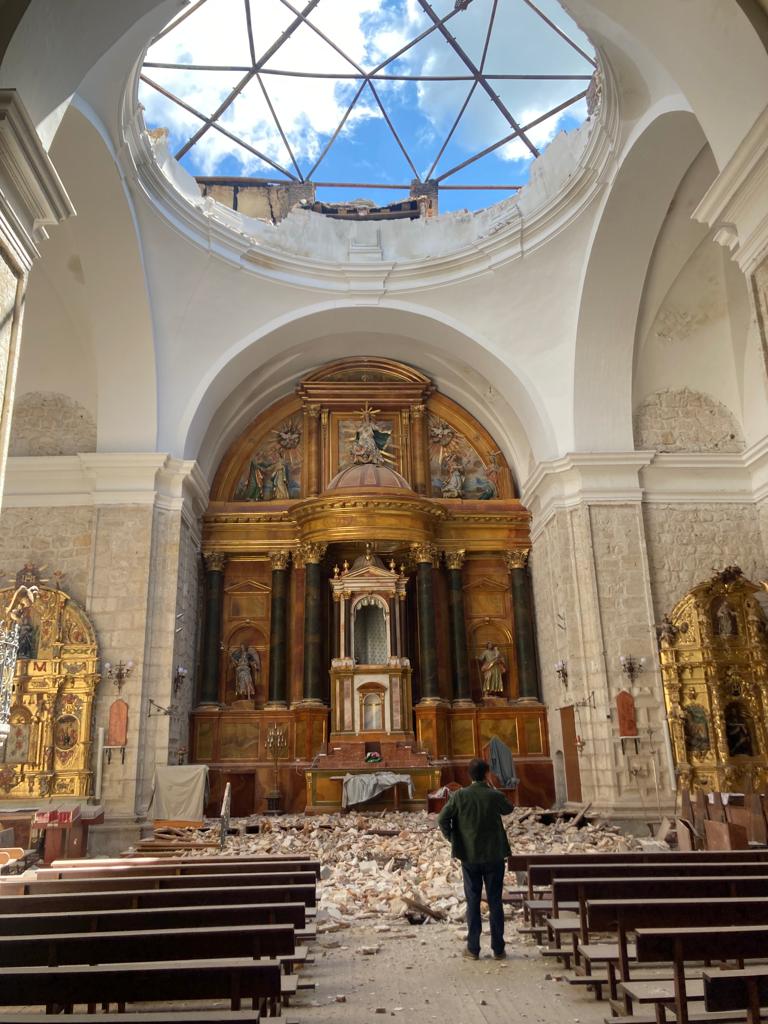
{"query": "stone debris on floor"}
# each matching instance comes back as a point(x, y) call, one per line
point(394, 865)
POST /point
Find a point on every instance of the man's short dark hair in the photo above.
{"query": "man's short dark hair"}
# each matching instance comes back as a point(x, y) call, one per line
point(478, 769)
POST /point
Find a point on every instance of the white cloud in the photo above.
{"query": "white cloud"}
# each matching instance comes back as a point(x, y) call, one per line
point(368, 31)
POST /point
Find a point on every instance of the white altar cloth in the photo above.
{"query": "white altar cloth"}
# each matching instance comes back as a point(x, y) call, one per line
point(356, 789)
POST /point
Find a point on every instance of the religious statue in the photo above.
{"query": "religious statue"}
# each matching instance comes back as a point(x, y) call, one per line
point(280, 490)
point(453, 487)
point(370, 440)
point(253, 489)
point(27, 640)
point(247, 671)
point(492, 669)
point(725, 619)
point(737, 731)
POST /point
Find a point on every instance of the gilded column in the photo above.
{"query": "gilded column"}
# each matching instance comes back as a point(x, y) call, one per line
point(311, 555)
point(425, 556)
point(419, 448)
point(462, 694)
point(525, 637)
point(278, 625)
point(214, 592)
point(314, 451)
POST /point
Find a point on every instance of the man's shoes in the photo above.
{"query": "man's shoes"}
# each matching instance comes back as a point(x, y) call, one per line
point(469, 955)
point(500, 956)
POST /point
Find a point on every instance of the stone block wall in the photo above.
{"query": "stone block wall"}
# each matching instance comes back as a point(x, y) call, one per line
point(682, 420)
point(687, 543)
point(593, 604)
point(57, 538)
point(48, 423)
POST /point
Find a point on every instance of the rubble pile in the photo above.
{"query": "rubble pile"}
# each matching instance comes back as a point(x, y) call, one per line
point(397, 864)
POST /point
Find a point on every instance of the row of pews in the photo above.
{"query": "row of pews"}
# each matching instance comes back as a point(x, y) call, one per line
point(109, 933)
point(666, 935)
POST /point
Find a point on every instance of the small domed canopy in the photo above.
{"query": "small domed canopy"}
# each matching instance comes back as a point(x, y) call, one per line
point(367, 475)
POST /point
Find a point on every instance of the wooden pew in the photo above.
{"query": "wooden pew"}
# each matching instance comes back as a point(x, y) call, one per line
point(223, 1016)
point(187, 867)
point(585, 889)
point(215, 858)
point(257, 940)
point(678, 945)
point(729, 991)
point(233, 979)
point(24, 884)
point(160, 917)
point(625, 916)
point(133, 898)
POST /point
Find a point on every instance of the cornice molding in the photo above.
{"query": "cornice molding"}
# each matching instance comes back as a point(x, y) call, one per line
point(32, 197)
point(736, 205)
point(107, 478)
point(694, 478)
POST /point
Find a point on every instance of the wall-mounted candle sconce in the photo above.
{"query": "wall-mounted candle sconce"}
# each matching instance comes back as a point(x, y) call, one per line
point(178, 679)
point(561, 668)
point(631, 667)
point(118, 673)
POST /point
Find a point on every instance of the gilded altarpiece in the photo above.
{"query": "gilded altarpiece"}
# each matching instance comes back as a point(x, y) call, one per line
point(49, 748)
point(714, 663)
point(366, 458)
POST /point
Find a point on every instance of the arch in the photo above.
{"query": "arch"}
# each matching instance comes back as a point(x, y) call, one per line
point(96, 278)
point(253, 372)
point(661, 150)
point(68, 40)
point(712, 49)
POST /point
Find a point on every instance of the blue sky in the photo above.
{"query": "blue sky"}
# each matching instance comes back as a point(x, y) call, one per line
point(309, 109)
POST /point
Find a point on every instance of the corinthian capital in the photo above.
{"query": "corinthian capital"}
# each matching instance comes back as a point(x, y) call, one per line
point(424, 552)
point(455, 559)
point(214, 561)
point(279, 559)
point(309, 552)
point(517, 559)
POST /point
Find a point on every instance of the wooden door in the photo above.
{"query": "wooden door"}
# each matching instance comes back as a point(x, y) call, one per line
point(570, 754)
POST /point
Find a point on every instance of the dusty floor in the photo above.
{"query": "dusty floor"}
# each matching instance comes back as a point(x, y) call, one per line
point(420, 970)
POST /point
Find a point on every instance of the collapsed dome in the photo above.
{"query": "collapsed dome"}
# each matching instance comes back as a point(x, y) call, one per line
point(420, 106)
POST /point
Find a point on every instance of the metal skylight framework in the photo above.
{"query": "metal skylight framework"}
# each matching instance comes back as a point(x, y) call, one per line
point(368, 85)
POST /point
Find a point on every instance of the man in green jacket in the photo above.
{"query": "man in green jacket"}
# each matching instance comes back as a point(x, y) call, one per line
point(471, 820)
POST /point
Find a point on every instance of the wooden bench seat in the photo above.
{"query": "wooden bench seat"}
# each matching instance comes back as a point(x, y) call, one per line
point(160, 917)
point(24, 884)
point(145, 894)
point(681, 945)
point(233, 979)
point(207, 885)
point(223, 1016)
point(737, 991)
point(197, 866)
point(254, 940)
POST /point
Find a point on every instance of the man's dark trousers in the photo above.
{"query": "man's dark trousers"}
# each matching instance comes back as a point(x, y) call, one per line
point(492, 875)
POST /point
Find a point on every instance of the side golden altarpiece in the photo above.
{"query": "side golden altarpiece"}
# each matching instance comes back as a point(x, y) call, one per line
point(48, 749)
point(367, 592)
point(714, 665)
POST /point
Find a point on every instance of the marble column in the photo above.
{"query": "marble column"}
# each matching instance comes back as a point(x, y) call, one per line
point(462, 693)
point(214, 592)
point(278, 627)
point(419, 449)
point(425, 556)
point(314, 451)
point(525, 637)
point(311, 555)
